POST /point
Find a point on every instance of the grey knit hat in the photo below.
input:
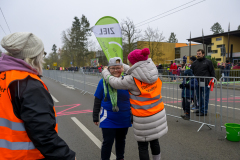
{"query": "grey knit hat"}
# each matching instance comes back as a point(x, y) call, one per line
point(23, 45)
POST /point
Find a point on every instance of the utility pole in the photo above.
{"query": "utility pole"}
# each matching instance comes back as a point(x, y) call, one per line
point(228, 40)
point(190, 46)
point(203, 40)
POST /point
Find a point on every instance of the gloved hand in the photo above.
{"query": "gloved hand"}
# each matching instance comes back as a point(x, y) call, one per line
point(181, 86)
point(187, 85)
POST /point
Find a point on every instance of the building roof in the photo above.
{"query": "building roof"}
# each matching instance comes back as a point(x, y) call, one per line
point(208, 39)
point(177, 45)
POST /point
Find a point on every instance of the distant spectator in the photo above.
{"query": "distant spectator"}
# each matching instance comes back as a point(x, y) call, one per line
point(160, 67)
point(185, 59)
point(76, 68)
point(227, 70)
point(173, 69)
point(188, 86)
point(222, 69)
point(192, 59)
point(100, 69)
point(204, 68)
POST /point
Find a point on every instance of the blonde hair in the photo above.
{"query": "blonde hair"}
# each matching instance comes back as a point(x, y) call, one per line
point(35, 62)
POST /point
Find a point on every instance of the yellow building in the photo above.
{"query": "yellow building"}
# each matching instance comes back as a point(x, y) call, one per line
point(161, 52)
point(217, 46)
point(222, 42)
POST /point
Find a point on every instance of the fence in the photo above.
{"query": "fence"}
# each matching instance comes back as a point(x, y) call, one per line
point(222, 102)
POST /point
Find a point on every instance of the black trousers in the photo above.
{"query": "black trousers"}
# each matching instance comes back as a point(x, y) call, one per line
point(109, 134)
point(186, 102)
point(143, 149)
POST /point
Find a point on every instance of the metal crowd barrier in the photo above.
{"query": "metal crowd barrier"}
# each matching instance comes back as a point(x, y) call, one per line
point(91, 70)
point(230, 108)
point(84, 81)
point(222, 104)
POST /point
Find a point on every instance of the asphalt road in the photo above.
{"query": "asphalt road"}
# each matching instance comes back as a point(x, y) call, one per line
point(182, 142)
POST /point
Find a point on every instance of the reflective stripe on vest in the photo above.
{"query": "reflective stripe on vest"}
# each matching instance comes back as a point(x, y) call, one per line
point(16, 126)
point(149, 102)
point(16, 145)
point(142, 99)
point(14, 140)
point(11, 125)
point(147, 106)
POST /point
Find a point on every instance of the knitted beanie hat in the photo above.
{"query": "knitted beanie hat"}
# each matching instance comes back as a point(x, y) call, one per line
point(138, 55)
point(23, 45)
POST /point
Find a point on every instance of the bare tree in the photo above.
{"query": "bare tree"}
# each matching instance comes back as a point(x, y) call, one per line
point(151, 39)
point(68, 50)
point(130, 37)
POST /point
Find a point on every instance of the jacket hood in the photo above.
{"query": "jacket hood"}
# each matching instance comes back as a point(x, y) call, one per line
point(144, 71)
point(8, 63)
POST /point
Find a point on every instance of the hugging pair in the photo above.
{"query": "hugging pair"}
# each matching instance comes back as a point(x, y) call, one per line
point(147, 108)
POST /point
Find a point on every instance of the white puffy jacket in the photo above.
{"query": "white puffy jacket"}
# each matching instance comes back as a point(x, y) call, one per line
point(145, 128)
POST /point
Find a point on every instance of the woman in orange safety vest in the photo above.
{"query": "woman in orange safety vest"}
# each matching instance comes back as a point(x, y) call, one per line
point(28, 121)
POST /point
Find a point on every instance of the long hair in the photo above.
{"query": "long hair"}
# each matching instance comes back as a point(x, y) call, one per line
point(35, 62)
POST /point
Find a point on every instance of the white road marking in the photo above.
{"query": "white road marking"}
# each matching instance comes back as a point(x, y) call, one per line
point(55, 100)
point(91, 136)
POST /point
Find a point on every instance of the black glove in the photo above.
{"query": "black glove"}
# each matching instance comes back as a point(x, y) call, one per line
point(187, 85)
point(181, 86)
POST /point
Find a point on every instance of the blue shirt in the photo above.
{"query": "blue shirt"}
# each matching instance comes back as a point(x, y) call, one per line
point(108, 118)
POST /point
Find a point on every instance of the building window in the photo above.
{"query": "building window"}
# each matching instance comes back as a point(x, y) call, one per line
point(209, 49)
point(221, 45)
point(214, 51)
point(218, 59)
point(219, 39)
point(177, 53)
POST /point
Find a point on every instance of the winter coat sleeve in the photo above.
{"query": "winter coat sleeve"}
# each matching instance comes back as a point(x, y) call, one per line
point(39, 120)
point(211, 69)
point(125, 67)
point(125, 82)
point(192, 68)
point(96, 109)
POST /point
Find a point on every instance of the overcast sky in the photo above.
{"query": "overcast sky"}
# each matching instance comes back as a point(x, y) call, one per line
point(48, 18)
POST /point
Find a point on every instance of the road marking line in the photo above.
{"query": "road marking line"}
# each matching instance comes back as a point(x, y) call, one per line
point(55, 100)
point(91, 136)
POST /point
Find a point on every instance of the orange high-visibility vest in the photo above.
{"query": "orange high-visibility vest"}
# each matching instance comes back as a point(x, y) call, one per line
point(14, 141)
point(149, 102)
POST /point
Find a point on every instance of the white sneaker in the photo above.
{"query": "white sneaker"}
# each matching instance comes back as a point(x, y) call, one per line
point(157, 157)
